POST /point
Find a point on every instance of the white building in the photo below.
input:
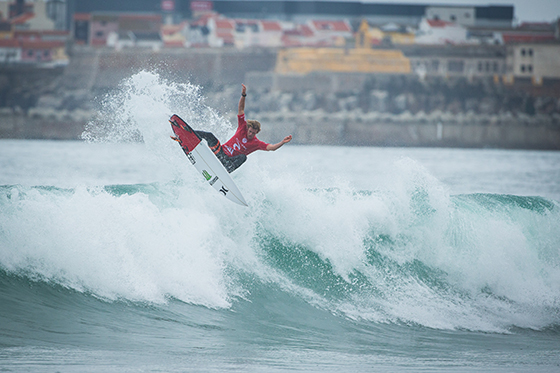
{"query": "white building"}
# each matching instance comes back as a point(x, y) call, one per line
point(432, 31)
point(533, 60)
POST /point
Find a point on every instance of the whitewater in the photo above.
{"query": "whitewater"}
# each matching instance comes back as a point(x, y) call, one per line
point(115, 255)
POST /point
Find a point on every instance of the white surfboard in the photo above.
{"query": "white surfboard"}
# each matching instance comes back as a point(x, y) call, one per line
point(202, 158)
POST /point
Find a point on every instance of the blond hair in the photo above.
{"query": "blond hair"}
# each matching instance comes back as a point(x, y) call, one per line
point(254, 124)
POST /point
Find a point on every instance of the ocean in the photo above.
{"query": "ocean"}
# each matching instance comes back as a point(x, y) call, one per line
point(116, 256)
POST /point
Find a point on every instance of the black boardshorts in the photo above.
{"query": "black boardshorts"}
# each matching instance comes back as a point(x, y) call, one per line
point(230, 163)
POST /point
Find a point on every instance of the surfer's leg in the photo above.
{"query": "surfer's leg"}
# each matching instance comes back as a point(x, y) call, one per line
point(209, 137)
point(235, 162)
point(231, 163)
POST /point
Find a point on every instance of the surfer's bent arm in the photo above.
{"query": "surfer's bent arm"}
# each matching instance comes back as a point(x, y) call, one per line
point(241, 109)
point(273, 147)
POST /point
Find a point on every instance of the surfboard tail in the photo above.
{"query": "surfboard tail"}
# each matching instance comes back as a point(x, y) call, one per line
point(186, 135)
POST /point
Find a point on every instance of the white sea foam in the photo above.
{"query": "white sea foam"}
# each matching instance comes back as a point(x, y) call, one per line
point(391, 232)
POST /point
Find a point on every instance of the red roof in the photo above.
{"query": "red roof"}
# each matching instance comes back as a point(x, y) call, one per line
point(9, 43)
point(438, 23)
point(22, 18)
point(302, 30)
point(40, 44)
point(526, 38)
point(174, 44)
point(170, 29)
point(145, 17)
point(26, 34)
point(30, 44)
point(271, 26)
point(227, 36)
point(225, 24)
point(82, 16)
point(331, 26)
point(542, 26)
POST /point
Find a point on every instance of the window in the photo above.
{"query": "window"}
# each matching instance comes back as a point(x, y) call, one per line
point(530, 68)
point(435, 65)
point(530, 52)
point(455, 66)
point(522, 68)
point(480, 66)
point(495, 67)
point(523, 52)
point(453, 18)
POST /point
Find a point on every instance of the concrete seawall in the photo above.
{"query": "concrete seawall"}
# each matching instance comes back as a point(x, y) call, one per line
point(351, 129)
point(391, 130)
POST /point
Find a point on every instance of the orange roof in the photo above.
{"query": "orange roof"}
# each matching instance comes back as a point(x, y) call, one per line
point(271, 26)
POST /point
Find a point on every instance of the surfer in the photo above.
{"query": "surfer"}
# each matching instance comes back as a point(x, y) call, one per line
point(234, 152)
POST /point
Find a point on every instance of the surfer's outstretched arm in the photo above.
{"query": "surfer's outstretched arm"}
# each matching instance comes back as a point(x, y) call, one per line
point(273, 147)
point(241, 108)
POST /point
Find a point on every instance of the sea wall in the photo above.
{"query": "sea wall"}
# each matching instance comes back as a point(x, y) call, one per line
point(342, 128)
point(439, 130)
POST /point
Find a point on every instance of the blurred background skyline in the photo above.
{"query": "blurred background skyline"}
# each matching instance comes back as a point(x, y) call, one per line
point(524, 10)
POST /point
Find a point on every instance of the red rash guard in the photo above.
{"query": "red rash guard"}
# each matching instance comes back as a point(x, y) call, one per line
point(239, 144)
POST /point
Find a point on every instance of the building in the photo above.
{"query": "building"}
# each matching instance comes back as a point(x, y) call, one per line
point(99, 29)
point(10, 51)
point(301, 11)
point(454, 61)
point(535, 61)
point(38, 52)
point(433, 31)
point(30, 35)
point(359, 60)
point(27, 15)
point(375, 13)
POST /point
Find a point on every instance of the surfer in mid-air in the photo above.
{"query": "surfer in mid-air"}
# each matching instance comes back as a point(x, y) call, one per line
point(234, 152)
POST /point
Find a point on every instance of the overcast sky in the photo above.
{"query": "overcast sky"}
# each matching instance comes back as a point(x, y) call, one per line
point(525, 10)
